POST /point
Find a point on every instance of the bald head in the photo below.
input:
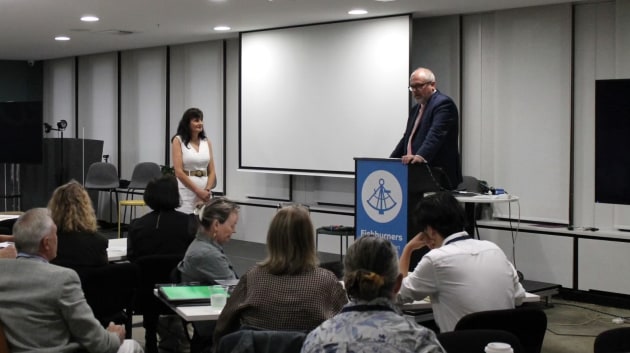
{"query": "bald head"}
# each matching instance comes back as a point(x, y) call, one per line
point(422, 84)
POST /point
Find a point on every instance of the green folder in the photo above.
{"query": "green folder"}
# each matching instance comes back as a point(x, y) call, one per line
point(185, 293)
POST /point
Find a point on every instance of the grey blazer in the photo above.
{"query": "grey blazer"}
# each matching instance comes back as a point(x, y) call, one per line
point(43, 309)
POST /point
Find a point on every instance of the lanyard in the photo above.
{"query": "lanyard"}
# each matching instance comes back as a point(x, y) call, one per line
point(463, 237)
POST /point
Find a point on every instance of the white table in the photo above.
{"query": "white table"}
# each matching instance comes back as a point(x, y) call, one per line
point(197, 312)
point(467, 199)
point(6, 217)
point(425, 304)
point(117, 250)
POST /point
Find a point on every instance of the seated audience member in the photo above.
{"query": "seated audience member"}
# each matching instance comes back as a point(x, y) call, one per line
point(163, 230)
point(287, 291)
point(371, 321)
point(42, 306)
point(461, 275)
point(205, 261)
point(80, 243)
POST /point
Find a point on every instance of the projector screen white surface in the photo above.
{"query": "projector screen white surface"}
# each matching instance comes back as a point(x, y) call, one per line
point(314, 97)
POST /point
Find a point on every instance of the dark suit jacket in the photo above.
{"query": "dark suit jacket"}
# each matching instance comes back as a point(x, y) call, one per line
point(43, 309)
point(436, 139)
point(81, 249)
point(160, 233)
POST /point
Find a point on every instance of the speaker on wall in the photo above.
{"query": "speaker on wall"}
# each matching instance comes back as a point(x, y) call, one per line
point(21, 132)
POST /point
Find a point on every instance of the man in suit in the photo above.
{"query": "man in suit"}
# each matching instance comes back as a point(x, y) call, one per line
point(431, 135)
point(42, 306)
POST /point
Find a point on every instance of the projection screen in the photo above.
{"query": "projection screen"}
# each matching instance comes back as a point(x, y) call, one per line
point(314, 97)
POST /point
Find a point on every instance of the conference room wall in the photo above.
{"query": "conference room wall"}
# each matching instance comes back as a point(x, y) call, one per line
point(196, 80)
point(58, 97)
point(545, 258)
point(98, 101)
point(142, 108)
point(602, 34)
point(517, 103)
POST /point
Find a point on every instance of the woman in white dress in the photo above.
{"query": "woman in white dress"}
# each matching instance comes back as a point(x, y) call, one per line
point(193, 161)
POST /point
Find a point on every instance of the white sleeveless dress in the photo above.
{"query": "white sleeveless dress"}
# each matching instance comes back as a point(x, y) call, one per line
point(193, 160)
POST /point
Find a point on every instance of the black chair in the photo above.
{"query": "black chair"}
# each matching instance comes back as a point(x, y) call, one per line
point(103, 176)
point(466, 341)
point(142, 174)
point(154, 269)
point(262, 341)
point(616, 340)
point(527, 323)
point(110, 291)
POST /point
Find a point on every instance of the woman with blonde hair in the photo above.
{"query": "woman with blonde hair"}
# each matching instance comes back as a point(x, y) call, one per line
point(287, 291)
point(371, 322)
point(79, 242)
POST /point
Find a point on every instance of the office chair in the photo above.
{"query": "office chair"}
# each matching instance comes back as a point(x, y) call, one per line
point(103, 177)
point(466, 341)
point(613, 341)
point(142, 174)
point(527, 323)
point(110, 291)
point(262, 341)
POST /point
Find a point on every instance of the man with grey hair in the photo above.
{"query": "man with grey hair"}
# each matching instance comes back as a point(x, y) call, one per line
point(42, 306)
point(432, 132)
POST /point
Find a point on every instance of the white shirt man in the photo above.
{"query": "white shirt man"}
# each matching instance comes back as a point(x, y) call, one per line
point(461, 275)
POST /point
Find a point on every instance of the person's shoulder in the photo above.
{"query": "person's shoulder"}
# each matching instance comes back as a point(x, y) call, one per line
point(59, 272)
point(325, 275)
point(440, 97)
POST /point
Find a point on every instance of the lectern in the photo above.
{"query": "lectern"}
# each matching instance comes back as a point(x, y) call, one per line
point(386, 192)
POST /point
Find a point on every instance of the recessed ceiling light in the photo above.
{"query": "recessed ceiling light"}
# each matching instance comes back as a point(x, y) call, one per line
point(222, 28)
point(62, 38)
point(89, 18)
point(357, 12)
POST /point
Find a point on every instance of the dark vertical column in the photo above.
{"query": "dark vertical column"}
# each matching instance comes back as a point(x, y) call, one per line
point(76, 96)
point(167, 155)
point(224, 64)
point(119, 110)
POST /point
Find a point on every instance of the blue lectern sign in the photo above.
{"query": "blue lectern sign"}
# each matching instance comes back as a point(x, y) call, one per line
point(381, 205)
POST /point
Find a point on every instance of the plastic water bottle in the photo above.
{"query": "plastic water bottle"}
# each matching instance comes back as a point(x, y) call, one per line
point(498, 347)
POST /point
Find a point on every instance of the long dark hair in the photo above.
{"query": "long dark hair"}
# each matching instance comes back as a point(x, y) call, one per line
point(183, 129)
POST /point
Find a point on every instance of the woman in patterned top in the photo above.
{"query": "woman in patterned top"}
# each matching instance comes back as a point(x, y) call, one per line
point(371, 322)
point(287, 291)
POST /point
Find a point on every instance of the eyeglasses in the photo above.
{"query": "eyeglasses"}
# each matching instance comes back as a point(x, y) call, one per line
point(418, 86)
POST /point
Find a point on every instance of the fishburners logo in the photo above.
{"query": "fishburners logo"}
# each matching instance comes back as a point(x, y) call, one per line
point(381, 196)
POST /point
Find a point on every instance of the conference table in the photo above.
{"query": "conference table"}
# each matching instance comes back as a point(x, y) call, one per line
point(205, 312)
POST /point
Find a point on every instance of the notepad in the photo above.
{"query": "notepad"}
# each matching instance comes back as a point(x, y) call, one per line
point(188, 294)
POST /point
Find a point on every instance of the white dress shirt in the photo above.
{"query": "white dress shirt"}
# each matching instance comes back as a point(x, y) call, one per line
point(463, 276)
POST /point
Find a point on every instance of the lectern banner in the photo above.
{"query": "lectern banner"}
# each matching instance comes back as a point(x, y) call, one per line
point(381, 200)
